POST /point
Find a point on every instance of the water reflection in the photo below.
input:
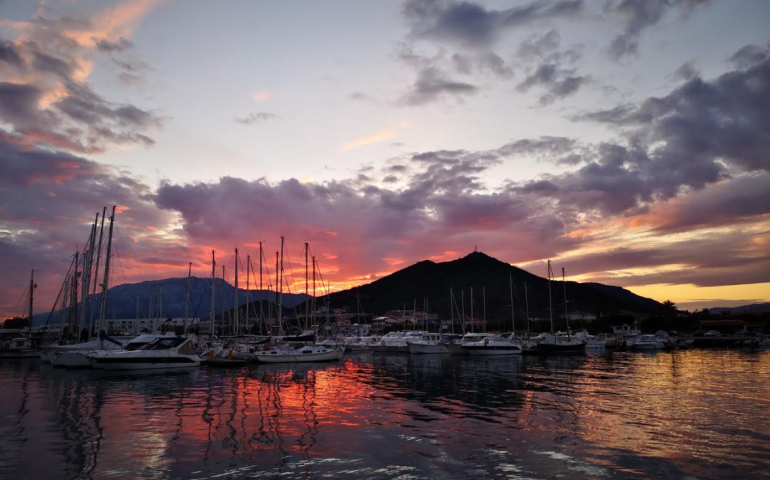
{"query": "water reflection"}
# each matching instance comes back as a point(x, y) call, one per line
point(624, 415)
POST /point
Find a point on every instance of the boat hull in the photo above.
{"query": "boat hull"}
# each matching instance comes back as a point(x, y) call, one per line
point(428, 349)
point(117, 362)
point(270, 357)
point(490, 350)
point(21, 354)
point(71, 360)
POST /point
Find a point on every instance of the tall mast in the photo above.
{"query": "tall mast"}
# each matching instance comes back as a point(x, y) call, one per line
point(236, 302)
point(261, 291)
point(312, 322)
point(136, 322)
point(224, 282)
point(462, 302)
point(513, 318)
point(484, 304)
point(550, 305)
point(280, 290)
point(32, 287)
point(248, 287)
point(74, 301)
point(526, 306)
point(106, 284)
point(87, 275)
point(473, 320)
point(213, 295)
point(275, 295)
point(187, 296)
point(564, 285)
point(307, 290)
point(99, 252)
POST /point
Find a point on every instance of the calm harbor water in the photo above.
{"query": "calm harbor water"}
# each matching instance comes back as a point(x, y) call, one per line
point(691, 414)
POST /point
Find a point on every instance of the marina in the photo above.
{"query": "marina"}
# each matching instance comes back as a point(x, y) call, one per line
point(683, 414)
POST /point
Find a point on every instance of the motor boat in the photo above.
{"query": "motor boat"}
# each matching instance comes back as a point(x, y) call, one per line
point(647, 342)
point(456, 346)
point(429, 343)
point(299, 353)
point(557, 344)
point(592, 342)
point(397, 341)
point(76, 355)
point(494, 345)
point(166, 352)
point(20, 347)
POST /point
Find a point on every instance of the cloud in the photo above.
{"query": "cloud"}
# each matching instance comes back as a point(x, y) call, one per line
point(44, 95)
point(558, 83)
point(374, 138)
point(749, 55)
point(433, 84)
point(471, 25)
point(256, 118)
point(639, 16)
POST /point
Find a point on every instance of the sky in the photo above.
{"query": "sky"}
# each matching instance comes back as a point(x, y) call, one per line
point(627, 141)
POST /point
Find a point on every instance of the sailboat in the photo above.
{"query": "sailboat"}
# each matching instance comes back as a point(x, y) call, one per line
point(559, 343)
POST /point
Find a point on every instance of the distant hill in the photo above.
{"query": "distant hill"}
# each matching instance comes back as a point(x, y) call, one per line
point(122, 299)
point(427, 279)
point(753, 308)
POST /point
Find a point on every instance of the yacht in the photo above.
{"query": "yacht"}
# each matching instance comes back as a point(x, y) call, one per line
point(429, 343)
point(647, 342)
point(303, 353)
point(162, 353)
point(593, 342)
point(456, 347)
point(396, 341)
point(493, 345)
point(558, 344)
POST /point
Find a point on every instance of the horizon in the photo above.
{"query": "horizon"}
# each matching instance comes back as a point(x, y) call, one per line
point(384, 134)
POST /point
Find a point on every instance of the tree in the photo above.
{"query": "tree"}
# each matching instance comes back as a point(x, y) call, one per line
point(669, 310)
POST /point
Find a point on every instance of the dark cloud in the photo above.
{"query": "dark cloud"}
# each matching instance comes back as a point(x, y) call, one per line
point(432, 84)
point(255, 118)
point(104, 45)
point(9, 54)
point(749, 55)
point(539, 46)
point(638, 16)
point(471, 25)
point(558, 83)
point(686, 71)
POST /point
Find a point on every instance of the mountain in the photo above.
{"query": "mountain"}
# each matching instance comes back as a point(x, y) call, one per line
point(489, 278)
point(753, 308)
point(122, 298)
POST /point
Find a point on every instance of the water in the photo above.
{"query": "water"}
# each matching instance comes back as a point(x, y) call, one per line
point(693, 414)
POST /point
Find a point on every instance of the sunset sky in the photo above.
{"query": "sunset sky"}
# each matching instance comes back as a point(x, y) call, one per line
point(627, 141)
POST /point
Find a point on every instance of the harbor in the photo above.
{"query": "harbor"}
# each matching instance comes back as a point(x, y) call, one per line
point(681, 414)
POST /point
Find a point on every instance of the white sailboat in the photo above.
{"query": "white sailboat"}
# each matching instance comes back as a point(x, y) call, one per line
point(302, 353)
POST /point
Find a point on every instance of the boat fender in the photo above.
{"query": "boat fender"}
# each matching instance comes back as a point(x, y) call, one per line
point(486, 341)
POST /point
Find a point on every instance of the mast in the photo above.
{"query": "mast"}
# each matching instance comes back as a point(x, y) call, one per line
point(564, 285)
point(74, 301)
point(136, 322)
point(307, 290)
point(280, 290)
point(451, 308)
point(187, 296)
point(32, 287)
point(261, 290)
point(312, 321)
point(213, 295)
point(275, 296)
point(550, 305)
point(87, 275)
point(484, 304)
point(236, 302)
point(248, 287)
point(462, 302)
point(99, 253)
point(513, 318)
point(473, 322)
point(526, 305)
point(106, 284)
